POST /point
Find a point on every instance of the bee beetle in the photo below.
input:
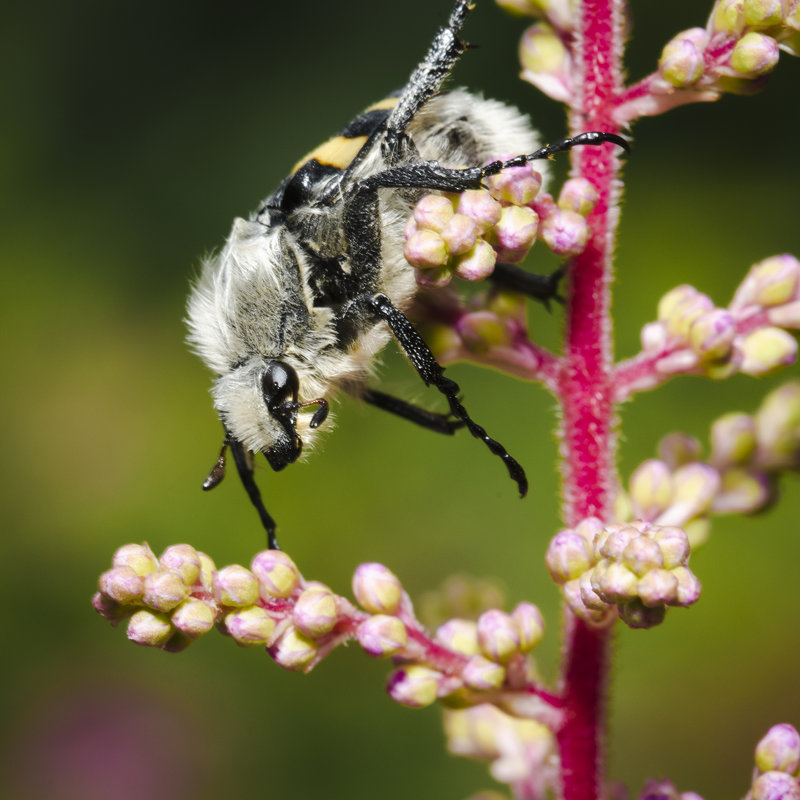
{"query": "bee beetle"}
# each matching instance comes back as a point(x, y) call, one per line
point(305, 293)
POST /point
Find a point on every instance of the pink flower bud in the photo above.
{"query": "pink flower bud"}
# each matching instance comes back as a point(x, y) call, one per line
point(565, 232)
point(694, 488)
point(377, 589)
point(568, 556)
point(164, 590)
point(742, 491)
point(517, 186)
point(477, 263)
point(515, 233)
point(642, 555)
point(109, 609)
point(294, 651)
point(613, 541)
point(650, 489)
point(183, 559)
point(498, 637)
point(657, 587)
point(711, 335)
point(482, 330)
point(149, 628)
point(251, 626)
point(673, 544)
point(778, 427)
point(762, 13)
point(728, 17)
point(434, 277)
point(755, 54)
point(771, 282)
point(433, 212)
point(677, 449)
point(779, 750)
point(122, 584)
point(614, 582)
point(578, 195)
point(414, 686)
point(276, 573)
point(774, 785)
point(767, 350)
point(139, 557)
point(733, 439)
point(425, 249)
point(235, 586)
point(382, 636)
point(315, 612)
point(483, 675)
point(682, 63)
point(479, 205)
point(459, 234)
point(688, 586)
point(530, 626)
point(546, 62)
point(193, 618)
point(459, 635)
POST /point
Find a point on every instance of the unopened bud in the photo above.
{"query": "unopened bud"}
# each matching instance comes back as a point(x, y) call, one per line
point(294, 651)
point(711, 335)
point(479, 205)
point(733, 439)
point(779, 750)
point(149, 628)
point(414, 686)
point(459, 234)
point(183, 559)
point(377, 589)
point(122, 584)
point(775, 785)
point(515, 185)
point(677, 449)
point(193, 618)
point(498, 637)
point(530, 626)
point(250, 626)
point(742, 492)
point(425, 249)
point(642, 555)
point(482, 330)
point(164, 590)
point(459, 635)
point(755, 54)
point(639, 616)
point(477, 263)
point(382, 635)
point(771, 282)
point(515, 233)
point(728, 17)
point(433, 212)
point(568, 555)
point(483, 675)
point(315, 611)
point(614, 582)
point(565, 232)
point(277, 574)
point(673, 544)
point(694, 486)
point(689, 586)
point(767, 350)
point(236, 586)
point(650, 489)
point(682, 62)
point(762, 13)
point(578, 195)
point(139, 557)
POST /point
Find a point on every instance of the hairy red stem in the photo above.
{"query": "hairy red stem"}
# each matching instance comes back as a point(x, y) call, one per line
point(588, 412)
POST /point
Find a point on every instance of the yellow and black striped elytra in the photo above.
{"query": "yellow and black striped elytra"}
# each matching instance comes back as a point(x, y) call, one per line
point(305, 293)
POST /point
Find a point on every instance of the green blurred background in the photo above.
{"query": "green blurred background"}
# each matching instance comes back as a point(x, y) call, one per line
point(133, 135)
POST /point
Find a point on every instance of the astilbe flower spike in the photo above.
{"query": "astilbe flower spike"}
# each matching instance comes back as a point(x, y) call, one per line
point(623, 552)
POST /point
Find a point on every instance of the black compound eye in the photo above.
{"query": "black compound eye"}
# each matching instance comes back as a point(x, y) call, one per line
point(279, 384)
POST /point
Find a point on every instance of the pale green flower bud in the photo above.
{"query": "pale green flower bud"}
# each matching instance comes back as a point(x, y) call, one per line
point(479, 205)
point(650, 489)
point(778, 426)
point(109, 609)
point(771, 282)
point(414, 686)
point(658, 587)
point(164, 590)
point(755, 54)
point(294, 651)
point(122, 584)
point(483, 675)
point(425, 249)
point(779, 750)
point(149, 628)
point(193, 618)
point(477, 263)
point(733, 439)
point(315, 613)
point(236, 586)
point(697, 531)
point(774, 785)
point(459, 234)
point(377, 589)
point(482, 330)
point(742, 492)
point(183, 559)
point(565, 232)
point(498, 637)
point(568, 556)
point(642, 555)
point(207, 570)
point(677, 449)
point(711, 335)
point(434, 277)
point(530, 625)
point(546, 61)
point(578, 195)
point(433, 212)
point(515, 233)
point(515, 185)
point(589, 528)
point(250, 626)
point(459, 635)
point(682, 63)
point(382, 636)
point(614, 582)
point(680, 307)
point(139, 557)
point(695, 486)
point(728, 17)
point(611, 543)
point(767, 350)
point(763, 13)
point(277, 574)
point(688, 586)
point(673, 543)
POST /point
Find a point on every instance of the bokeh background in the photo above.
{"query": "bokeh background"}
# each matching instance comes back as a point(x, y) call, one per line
point(132, 135)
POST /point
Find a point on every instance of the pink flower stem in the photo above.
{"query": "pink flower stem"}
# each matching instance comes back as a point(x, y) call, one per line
point(588, 441)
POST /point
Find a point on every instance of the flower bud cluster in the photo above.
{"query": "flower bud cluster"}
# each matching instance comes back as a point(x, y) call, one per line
point(777, 765)
point(740, 45)
point(519, 750)
point(637, 568)
point(465, 234)
point(748, 451)
point(692, 335)
point(169, 602)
